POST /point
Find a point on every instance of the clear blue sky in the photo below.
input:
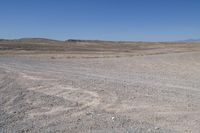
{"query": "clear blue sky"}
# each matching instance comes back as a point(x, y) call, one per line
point(145, 20)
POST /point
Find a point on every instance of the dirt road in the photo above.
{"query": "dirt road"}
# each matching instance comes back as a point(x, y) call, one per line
point(151, 93)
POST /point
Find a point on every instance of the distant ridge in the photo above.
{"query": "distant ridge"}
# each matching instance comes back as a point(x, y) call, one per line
point(81, 40)
point(32, 40)
point(190, 40)
point(47, 40)
point(38, 39)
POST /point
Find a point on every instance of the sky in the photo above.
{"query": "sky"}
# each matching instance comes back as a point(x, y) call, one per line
point(125, 20)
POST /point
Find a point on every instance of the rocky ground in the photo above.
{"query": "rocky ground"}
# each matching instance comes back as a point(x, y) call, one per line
point(157, 93)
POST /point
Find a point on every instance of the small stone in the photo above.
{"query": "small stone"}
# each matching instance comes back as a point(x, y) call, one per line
point(113, 118)
point(156, 128)
point(88, 113)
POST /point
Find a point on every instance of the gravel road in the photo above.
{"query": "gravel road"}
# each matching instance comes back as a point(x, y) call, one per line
point(153, 93)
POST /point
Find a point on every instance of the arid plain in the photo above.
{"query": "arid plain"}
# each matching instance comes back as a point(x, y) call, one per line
point(99, 86)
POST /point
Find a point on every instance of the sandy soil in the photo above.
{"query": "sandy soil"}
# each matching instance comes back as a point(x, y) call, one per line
point(157, 93)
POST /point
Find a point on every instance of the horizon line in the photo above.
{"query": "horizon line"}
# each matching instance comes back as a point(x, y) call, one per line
point(102, 40)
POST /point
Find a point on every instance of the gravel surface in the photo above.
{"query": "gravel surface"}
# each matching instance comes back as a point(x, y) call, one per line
point(153, 93)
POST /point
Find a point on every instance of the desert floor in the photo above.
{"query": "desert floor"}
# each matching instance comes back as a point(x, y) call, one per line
point(128, 93)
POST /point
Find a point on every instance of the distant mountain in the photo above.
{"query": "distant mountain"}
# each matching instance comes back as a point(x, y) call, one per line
point(52, 41)
point(190, 40)
point(31, 40)
point(41, 40)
